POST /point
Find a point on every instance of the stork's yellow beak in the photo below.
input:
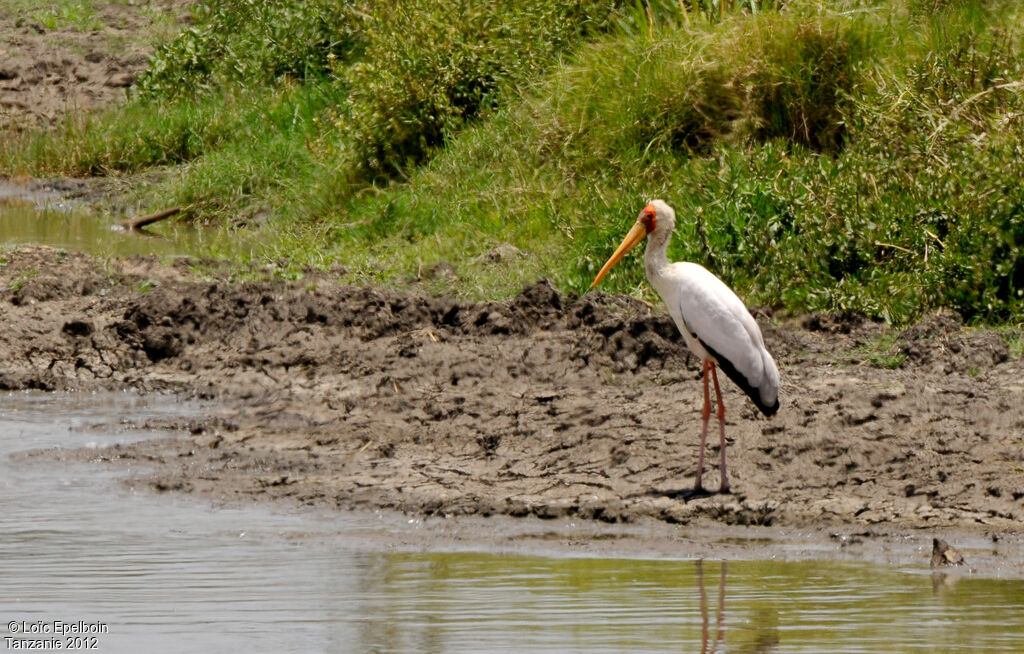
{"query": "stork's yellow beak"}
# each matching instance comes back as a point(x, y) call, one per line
point(635, 235)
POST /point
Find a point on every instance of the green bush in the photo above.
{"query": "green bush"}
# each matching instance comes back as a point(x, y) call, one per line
point(433, 65)
point(253, 43)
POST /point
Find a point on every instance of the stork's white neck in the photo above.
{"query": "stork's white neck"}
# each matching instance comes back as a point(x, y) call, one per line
point(656, 256)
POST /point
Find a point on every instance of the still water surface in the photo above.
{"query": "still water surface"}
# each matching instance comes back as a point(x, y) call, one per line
point(166, 574)
point(34, 217)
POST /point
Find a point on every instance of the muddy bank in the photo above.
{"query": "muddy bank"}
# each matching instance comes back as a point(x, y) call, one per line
point(542, 405)
point(55, 60)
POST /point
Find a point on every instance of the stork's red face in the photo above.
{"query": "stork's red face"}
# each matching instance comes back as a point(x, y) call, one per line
point(645, 224)
point(648, 218)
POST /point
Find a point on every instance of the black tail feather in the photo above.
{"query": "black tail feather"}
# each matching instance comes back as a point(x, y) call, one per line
point(752, 392)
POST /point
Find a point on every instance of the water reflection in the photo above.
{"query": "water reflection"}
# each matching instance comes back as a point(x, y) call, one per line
point(764, 625)
point(943, 582)
point(720, 631)
point(453, 602)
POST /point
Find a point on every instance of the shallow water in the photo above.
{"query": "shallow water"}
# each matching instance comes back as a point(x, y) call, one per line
point(164, 574)
point(33, 217)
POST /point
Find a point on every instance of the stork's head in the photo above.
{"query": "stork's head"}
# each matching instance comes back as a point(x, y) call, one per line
point(656, 220)
point(662, 217)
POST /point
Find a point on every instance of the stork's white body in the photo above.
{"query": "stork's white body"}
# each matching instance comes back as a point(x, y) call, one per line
point(716, 325)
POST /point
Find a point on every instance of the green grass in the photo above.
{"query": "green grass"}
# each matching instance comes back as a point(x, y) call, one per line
point(889, 361)
point(74, 14)
point(1014, 337)
point(1016, 346)
point(837, 156)
point(87, 16)
point(881, 352)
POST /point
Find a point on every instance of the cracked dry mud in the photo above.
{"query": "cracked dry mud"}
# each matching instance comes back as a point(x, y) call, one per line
point(545, 404)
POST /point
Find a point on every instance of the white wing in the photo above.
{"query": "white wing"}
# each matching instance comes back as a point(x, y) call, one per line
point(708, 311)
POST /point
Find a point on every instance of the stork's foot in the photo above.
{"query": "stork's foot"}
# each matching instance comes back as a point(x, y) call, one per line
point(698, 490)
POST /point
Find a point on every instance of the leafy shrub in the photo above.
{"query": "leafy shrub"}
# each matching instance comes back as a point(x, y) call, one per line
point(406, 75)
point(433, 65)
point(251, 42)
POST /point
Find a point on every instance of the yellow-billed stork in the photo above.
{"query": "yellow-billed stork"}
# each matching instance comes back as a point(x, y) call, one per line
point(714, 322)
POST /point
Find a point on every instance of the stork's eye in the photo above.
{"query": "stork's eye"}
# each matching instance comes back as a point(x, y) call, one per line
point(648, 220)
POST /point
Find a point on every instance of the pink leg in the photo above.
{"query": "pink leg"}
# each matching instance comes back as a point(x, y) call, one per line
point(721, 427)
point(704, 432)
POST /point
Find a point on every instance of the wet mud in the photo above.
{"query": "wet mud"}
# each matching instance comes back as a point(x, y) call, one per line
point(55, 61)
point(545, 405)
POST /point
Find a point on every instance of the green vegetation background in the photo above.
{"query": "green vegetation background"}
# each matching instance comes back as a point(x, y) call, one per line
point(837, 155)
